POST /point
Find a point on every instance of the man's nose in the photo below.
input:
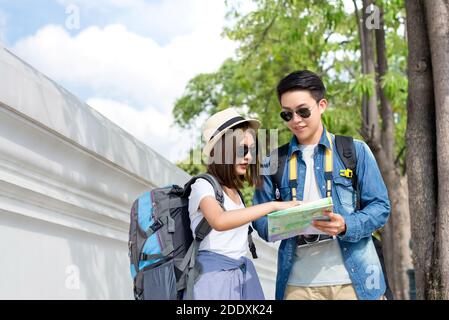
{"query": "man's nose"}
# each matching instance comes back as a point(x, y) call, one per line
point(297, 118)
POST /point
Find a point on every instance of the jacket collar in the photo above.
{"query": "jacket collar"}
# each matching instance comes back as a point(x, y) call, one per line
point(295, 146)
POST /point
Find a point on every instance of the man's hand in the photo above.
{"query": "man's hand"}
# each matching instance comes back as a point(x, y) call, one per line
point(334, 227)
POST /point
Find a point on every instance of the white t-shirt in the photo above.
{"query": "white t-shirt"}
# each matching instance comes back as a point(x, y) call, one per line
point(311, 190)
point(320, 264)
point(231, 243)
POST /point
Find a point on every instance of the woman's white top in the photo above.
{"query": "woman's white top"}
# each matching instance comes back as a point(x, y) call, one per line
point(232, 243)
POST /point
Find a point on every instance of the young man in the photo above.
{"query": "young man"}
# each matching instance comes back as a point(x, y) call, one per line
point(334, 259)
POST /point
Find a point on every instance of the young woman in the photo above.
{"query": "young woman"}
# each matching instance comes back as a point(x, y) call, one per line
point(225, 272)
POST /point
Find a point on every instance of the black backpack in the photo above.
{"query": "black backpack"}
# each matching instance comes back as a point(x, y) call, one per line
point(162, 250)
point(346, 151)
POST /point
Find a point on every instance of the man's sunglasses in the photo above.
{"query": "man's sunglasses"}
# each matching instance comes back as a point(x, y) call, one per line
point(302, 112)
point(243, 150)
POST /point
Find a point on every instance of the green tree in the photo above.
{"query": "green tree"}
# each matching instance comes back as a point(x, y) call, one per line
point(364, 72)
point(379, 129)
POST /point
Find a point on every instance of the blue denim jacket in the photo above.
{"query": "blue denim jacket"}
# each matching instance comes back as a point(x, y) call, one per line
point(359, 254)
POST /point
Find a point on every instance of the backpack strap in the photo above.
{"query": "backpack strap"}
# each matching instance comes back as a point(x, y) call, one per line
point(276, 178)
point(203, 228)
point(212, 180)
point(346, 151)
point(201, 231)
point(252, 246)
point(159, 223)
point(188, 265)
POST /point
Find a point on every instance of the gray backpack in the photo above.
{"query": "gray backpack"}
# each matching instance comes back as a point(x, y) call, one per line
point(162, 250)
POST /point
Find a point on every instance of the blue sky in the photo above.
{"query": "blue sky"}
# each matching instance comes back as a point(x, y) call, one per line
point(128, 59)
point(24, 17)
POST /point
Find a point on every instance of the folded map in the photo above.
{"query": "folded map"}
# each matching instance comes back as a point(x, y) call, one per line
point(292, 221)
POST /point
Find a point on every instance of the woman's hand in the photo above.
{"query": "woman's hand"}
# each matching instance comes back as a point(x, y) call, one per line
point(282, 205)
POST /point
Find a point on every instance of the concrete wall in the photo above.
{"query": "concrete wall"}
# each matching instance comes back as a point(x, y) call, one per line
point(68, 177)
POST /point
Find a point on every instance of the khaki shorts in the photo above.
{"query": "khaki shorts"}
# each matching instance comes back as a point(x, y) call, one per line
point(338, 292)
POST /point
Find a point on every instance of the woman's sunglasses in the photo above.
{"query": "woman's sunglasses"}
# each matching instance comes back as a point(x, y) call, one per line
point(243, 150)
point(302, 112)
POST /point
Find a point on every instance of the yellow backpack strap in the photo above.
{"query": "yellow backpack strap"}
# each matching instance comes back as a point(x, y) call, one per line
point(293, 175)
point(328, 167)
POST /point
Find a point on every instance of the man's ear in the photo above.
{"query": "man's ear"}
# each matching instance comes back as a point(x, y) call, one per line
point(322, 105)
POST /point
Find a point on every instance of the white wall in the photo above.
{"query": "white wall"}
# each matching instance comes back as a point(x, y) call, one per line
point(68, 177)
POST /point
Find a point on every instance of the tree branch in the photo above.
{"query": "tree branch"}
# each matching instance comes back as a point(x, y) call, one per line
point(396, 162)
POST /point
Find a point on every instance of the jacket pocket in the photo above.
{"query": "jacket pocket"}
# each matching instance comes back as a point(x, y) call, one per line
point(345, 191)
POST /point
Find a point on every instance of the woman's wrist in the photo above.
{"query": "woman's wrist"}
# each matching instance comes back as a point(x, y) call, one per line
point(273, 206)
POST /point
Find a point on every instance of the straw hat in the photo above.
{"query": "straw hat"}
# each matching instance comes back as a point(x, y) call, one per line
point(214, 128)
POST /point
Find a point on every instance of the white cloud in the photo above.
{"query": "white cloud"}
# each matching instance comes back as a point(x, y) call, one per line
point(157, 19)
point(128, 76)
point(149, 125)
point(118, 65)
point(116, 62)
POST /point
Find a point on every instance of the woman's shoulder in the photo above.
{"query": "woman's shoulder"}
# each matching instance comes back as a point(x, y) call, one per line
point(202, 186)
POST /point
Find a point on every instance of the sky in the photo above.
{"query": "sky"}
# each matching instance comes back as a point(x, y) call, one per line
point(128, 59)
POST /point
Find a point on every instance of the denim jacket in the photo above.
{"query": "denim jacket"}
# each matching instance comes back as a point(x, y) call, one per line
point(358, 251)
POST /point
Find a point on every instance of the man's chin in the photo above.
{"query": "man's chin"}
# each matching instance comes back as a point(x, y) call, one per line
point(301, 135)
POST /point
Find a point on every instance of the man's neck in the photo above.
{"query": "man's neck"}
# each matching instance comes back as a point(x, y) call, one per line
point(313, 139)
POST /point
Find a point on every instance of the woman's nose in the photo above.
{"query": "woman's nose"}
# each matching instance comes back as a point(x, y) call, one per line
point(248, 157)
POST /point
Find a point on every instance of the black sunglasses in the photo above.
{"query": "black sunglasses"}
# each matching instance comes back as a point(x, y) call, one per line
point(243, 150)
point(302, 112)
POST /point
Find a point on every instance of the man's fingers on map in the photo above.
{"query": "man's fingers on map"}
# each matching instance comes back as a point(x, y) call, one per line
point(322, 218)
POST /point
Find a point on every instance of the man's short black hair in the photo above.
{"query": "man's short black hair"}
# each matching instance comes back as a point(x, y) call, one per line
point(302, 80)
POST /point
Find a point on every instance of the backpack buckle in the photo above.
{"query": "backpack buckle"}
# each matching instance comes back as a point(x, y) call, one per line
point(277, 194)
point(156, 225)
point(346, 173)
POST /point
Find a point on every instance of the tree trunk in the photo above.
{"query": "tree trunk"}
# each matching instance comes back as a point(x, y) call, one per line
point(397, 230)
point(387, 137)
point(396, 234)
point(422, 166)
point(437, 12)
point(370, 114)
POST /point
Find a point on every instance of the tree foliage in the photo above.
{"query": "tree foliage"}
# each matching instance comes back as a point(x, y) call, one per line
point(278, 37)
